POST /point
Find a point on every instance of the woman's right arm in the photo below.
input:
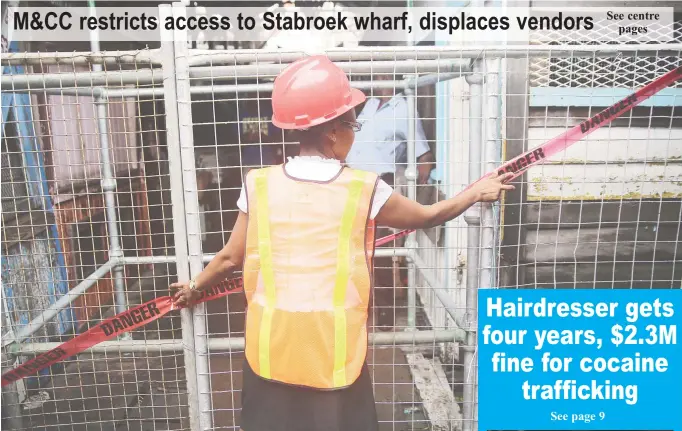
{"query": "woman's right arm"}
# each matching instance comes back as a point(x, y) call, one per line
point(229, 259)
point(400, 212)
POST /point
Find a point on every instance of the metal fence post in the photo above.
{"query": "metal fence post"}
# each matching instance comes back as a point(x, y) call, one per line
point(491, 154)
point(109, 188)
point(411, 178)
point(494, 81)
point(489, 160)
point(473, 219)
point(10, 393)
point(178, 209)
point(189, 183)
point(108, 183)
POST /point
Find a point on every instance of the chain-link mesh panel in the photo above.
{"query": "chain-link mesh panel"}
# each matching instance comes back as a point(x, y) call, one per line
point(87, 187)
point(617, 71)
point(605, 212)
point(233, 133)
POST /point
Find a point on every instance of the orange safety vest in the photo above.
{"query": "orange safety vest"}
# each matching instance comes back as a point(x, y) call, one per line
point(307, 276)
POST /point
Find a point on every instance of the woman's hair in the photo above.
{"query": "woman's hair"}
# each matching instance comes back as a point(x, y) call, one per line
point(312, 136)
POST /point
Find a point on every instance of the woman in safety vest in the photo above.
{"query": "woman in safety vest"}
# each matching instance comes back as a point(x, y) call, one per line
point(305, 239)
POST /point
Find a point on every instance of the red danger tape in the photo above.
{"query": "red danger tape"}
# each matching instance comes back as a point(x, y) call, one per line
point(159, 307)
point(539, 154)
point(113, 327)
point(392, 237)
point(128, 321)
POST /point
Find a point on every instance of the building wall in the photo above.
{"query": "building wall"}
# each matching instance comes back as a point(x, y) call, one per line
point(72, 134)
point(33, 269)
point(68, 134)
point(612, 163)
point(606, 211)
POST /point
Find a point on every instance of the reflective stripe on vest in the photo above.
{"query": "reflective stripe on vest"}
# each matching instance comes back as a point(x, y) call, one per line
point(342, 275)
point(307, 277)
point(265, 250)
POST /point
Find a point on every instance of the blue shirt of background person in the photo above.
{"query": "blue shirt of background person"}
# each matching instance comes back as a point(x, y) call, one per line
point(381, 145)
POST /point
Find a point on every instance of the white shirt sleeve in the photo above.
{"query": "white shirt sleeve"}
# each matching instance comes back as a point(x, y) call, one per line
point(241, 202)
point(381, 195)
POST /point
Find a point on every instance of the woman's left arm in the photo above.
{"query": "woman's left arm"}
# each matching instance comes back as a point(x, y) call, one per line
point(222, 266)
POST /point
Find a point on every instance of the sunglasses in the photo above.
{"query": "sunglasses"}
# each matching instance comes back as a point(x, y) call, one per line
point(353, 125)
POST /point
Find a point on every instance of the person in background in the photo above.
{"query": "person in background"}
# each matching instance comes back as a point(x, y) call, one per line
point(304, 237)
point(258, 137)
point(381, 147)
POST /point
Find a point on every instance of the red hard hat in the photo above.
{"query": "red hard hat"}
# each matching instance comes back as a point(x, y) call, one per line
point(312, 91)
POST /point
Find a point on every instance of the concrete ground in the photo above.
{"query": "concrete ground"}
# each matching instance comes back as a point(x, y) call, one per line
point(397, 401)
point(148, 391)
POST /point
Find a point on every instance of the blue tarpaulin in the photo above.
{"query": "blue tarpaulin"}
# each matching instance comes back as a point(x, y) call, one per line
point(47, 267)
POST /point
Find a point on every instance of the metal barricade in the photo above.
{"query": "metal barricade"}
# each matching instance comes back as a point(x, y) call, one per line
point(124, 179)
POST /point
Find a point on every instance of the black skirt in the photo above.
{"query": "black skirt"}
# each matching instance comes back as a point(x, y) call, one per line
point(272, 406)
